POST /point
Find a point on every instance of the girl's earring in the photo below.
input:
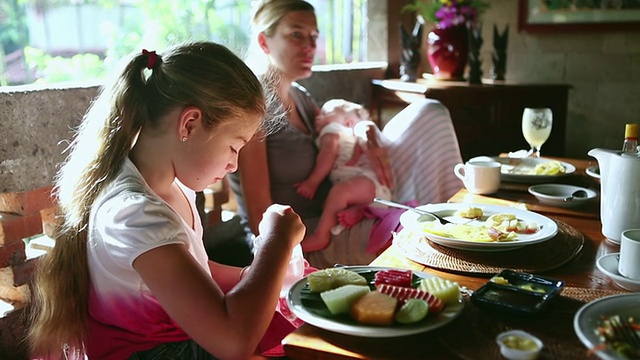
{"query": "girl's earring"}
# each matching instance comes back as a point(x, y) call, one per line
point(184, 138)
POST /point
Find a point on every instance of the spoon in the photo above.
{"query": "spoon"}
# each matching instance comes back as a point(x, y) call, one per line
point(419, 211)
point(578, 194)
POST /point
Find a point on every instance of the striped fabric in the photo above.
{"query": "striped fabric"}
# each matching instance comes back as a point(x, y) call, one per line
point(423, 149)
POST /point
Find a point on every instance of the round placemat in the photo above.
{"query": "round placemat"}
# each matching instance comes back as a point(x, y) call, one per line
point(554, 326)
point(535, 258)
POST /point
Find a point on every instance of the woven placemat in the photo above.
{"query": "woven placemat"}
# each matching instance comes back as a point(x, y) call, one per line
point(478, 328)
point(535, 258)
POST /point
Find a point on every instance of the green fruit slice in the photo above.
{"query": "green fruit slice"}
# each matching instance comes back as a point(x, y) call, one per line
point(445, 290)
point(339, 300)
point(412, 311)
point(332, 278)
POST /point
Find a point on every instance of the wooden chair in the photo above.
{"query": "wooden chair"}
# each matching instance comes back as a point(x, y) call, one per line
point(211, 211)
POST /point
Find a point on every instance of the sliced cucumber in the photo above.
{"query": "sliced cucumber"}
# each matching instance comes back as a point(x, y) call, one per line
point(412, 311)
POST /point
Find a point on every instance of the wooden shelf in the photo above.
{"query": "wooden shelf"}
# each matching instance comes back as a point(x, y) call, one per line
point(486, 117)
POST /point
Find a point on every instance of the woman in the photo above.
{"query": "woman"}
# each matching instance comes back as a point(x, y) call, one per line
point(416, 168)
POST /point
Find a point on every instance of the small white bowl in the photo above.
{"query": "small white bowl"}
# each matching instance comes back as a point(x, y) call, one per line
point(510, 352)
point(555, 194)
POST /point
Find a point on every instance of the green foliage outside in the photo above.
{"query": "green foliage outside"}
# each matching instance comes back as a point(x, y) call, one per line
point(154, 24)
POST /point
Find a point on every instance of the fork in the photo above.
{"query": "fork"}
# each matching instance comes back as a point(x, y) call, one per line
point(625, 332)
point(419, 211)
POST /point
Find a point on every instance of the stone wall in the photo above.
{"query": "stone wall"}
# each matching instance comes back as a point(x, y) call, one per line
point(603, 69)
point(34, 125)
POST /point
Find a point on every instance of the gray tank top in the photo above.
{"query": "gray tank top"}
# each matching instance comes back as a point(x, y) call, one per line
point(291, 156)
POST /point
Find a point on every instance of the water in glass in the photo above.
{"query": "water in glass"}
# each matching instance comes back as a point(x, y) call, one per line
point(536, 127)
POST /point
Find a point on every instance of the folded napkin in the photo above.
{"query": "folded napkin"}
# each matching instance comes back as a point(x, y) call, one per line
point(282, 323)
point(271, 345)
point(388, 222)
point(519, 154)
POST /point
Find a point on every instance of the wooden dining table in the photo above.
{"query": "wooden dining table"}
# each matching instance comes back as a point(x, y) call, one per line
point(472, 334)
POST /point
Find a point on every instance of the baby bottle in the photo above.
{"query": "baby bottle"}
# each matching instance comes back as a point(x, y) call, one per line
point(295, 269)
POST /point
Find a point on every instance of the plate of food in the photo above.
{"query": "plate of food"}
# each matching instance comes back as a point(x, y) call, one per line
point(533, 170)
point(593, 324)
point(593, 171)
point(479, 227)
point(373, 301)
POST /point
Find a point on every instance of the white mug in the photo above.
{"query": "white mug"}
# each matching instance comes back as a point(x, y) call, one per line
point(629, 264)
point(479, 177)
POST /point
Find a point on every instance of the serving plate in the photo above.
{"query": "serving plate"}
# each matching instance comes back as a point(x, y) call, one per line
point(519, 170)
point(593, 171)
point(555, 194)
point(312, 311)
point(608, 264)
point(588, 317)
point(547, 227)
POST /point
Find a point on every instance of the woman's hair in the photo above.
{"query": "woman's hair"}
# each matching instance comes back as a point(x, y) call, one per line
point(201, 74)
point(266, 17)
point(268, 13)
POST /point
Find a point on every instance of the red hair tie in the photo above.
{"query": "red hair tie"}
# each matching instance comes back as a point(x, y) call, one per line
point(151, 58)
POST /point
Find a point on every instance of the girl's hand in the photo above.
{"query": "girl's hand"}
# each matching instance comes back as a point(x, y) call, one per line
point(281, 222)
point(379, 158)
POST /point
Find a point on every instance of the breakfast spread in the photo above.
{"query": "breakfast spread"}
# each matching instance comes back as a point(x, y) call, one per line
point(610, 332)
point(497, 227)
point(549, 168)
point(523, 167)
point(390, 296)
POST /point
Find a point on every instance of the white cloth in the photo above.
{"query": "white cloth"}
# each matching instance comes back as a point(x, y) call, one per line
point(423, 149)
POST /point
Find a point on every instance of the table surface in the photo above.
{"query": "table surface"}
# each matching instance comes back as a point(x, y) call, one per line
point(581, 274)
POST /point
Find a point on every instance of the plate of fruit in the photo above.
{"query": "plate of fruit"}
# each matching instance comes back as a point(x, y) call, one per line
point(375, 301)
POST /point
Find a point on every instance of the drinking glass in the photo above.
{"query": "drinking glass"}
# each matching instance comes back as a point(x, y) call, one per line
point(536, 128)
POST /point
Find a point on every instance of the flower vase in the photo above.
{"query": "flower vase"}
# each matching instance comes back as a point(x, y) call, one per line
point(448, 52)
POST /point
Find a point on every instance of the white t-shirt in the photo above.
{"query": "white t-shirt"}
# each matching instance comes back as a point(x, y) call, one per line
point(126, 220)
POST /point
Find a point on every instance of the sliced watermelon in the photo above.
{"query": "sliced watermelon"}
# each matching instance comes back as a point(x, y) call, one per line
point(405, 293)
point(394, 277)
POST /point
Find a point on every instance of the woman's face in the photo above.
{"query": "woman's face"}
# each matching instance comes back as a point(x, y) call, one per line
point(292, 47)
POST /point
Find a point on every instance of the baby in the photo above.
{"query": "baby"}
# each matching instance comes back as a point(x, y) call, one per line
point(342, 134)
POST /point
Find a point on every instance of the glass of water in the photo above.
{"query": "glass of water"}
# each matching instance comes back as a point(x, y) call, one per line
point(536, 128)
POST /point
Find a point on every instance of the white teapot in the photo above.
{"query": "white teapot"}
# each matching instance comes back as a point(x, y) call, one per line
point(620, 191)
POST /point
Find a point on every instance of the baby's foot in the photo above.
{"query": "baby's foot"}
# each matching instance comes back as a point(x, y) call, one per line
point(350, 216)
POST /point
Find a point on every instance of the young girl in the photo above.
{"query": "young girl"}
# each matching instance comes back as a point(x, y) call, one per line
point(129, 276)
point(341, 127)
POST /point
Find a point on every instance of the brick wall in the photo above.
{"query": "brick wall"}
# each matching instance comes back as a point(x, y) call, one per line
point(23, 216)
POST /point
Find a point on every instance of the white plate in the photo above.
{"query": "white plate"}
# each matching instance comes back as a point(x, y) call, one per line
point(519, 170)
point(351, 327)
point(593, 171)
point(588, 318)
point(548, 228)
point(554, 194)
point(608, 264)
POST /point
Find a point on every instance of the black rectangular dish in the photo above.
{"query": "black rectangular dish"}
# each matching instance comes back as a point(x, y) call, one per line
point(517, 292)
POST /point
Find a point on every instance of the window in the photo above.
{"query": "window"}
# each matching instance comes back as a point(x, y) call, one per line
point(52, 41)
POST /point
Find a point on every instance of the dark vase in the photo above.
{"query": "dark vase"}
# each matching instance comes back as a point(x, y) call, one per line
point(448, 52)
